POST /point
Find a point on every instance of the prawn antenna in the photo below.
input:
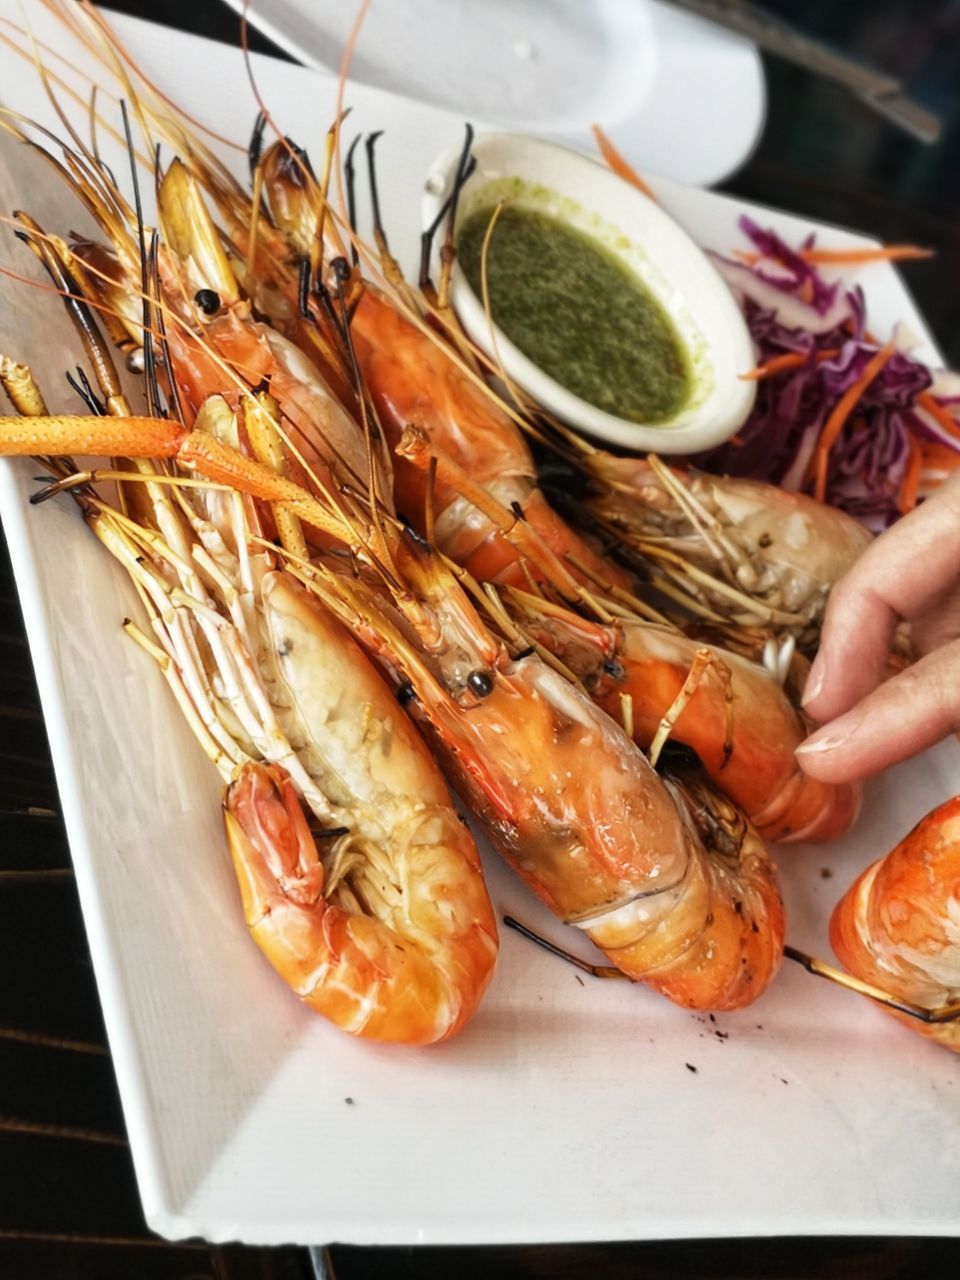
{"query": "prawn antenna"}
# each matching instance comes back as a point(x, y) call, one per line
point(329, 310)
point(81, 385)
point(155, 401)
point(350, 175)
point(74, 303)
point(322, 293)
point(379, 234)
point(172, 389)
point(448, 252)
point(427, 237)
point(303, 288)
point(149, 367)
point(255, 147)
point(299, 158)
point(388, 263)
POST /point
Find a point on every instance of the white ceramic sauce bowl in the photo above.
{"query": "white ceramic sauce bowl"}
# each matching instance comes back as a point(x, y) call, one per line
point(539, 175)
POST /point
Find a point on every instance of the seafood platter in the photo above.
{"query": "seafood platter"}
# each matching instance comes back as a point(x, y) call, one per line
point(423, 536)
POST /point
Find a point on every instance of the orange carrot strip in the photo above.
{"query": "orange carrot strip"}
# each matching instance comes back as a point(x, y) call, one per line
point(617, 163)
point(946, 419)
point(937, 451)
point(884, 253)
point(839, 414)
point(911, 480)
point(789, 360)
point(939, 455)
point(851, 328)
point(805, 292)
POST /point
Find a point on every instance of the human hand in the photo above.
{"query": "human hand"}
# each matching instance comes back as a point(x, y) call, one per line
point(910, 573)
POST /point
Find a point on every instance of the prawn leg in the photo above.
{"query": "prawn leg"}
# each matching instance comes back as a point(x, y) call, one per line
point(594, 970)
point(822, 969)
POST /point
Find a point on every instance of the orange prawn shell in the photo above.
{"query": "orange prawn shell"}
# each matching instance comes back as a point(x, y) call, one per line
point(757, 767)
point(413, 969)
point(358, 956)
point(414, 382)
point(898, 925)
point(582, 817)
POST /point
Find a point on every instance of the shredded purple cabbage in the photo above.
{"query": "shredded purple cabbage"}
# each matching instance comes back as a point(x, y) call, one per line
point(789, 307)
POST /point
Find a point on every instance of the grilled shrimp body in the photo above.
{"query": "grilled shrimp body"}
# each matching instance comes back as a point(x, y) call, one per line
point(386, 928)
point(668, 879)
point(743, 726)
point(390, 932)
point(738, 718)
point(414, 382)
point(565, 795)
point(693, 911)
point(782, 552)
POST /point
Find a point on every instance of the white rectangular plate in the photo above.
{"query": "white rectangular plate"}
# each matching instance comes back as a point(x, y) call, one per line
point(567, 1110)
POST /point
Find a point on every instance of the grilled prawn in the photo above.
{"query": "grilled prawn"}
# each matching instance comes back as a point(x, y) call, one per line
point(669, 881)
point(898, 926)
point(758, 555)
point(378, 918)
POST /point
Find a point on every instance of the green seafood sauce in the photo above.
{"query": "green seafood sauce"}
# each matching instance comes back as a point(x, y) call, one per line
point(578, 313)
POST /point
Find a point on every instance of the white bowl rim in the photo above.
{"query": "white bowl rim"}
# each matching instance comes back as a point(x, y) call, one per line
point(727, 341)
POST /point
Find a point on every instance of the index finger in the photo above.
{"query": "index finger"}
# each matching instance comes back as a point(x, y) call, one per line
point(900, 574)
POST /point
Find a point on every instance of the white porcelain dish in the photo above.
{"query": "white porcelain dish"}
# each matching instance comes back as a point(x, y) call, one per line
point(565, 1111)
point(650, 243)
point(678, 96)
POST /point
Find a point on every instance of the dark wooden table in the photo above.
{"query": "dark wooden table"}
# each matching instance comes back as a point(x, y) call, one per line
point(68, 1201)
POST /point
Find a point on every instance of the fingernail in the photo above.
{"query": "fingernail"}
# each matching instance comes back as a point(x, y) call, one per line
point(814, 685)
point(815, 745)
point(832, 736)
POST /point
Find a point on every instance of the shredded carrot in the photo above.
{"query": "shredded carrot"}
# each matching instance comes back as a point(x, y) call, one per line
point(939, 455)
point(883, 253)
point(617, 163)
point(821, 257)
point(942, 414)
point(851, 328)
point(805, 292)
point(911, 480)
point(789, 360)
point(838, 416)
